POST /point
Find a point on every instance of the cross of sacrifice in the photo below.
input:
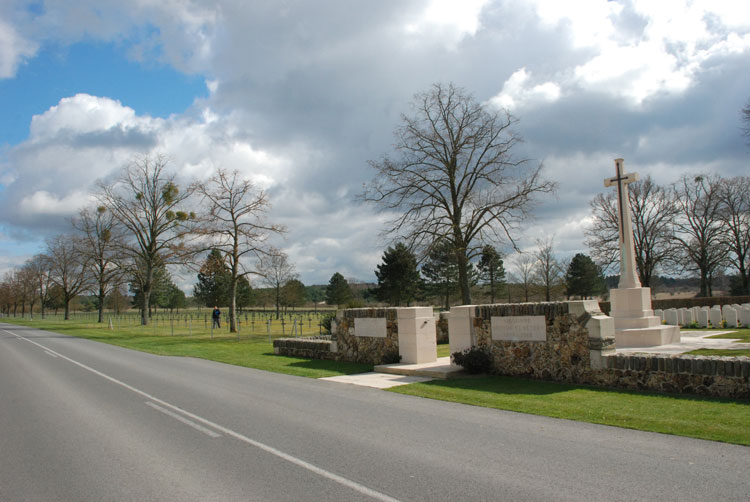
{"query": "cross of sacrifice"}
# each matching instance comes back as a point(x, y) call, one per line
point(628, 276)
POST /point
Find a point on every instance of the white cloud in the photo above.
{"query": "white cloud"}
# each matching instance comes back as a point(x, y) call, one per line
point(14, 50)
point(451, 20)
point(518, 92)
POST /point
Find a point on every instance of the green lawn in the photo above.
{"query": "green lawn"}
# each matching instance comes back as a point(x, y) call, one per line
point(742, 334)
point(443, 350)
point(252, 351)
point(704, 418)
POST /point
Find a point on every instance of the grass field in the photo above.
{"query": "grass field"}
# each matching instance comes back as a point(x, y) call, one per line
point(253, 350)
point(704, 418)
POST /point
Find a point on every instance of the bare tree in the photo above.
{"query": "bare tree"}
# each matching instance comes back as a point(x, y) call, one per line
point(523, 274)
point(39, 266)
point(101, 237)
point(745, 116)
point(735, 216)
point(653, 211)
point(698, 227)
point(235, 226)
point(68, 268)
point(547, 270)
point(276, 271)
point(25, 289)
point(455, 178)
point(145, 200)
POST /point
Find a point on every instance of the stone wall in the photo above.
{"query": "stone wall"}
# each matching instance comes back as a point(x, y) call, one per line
point(310, 348)
point(577, 346)
point(366, 349)
point(681, 374)
point(572, 332)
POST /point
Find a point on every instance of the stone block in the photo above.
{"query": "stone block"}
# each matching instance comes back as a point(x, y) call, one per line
point(687, 317)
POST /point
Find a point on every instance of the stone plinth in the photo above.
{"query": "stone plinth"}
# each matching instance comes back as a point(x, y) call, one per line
point(635, 322)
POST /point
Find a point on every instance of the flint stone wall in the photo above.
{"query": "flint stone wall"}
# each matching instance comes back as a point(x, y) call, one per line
point(365, 349)
point(311, 348)
point(579, 348)
point(565, 355)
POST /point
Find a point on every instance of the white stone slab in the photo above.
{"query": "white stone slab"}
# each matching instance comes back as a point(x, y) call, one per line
point(524, 328)
point(670, 317)
point(745, 316)
point(660, 314)
point(715, 317)
point(370, 326)
point(703, 318)
point(730, 315)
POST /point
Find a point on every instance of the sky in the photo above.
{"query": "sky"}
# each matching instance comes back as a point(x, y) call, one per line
point(299, 96)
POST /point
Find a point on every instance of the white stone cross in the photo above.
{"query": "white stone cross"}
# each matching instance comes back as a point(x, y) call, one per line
point(628, 275)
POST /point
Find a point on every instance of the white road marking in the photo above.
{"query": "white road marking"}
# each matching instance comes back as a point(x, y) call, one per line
point(269, 449)
point(184, 420)
point(49, 353)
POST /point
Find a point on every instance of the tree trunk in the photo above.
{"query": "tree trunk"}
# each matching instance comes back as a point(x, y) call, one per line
point(233, 305)
point(463, 276)
point(145, 307)
point(67, 308)
point(278, 299)
point(101, 303)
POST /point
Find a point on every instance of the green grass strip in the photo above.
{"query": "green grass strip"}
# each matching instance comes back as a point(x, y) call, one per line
point(253, 351)
point(704, 418)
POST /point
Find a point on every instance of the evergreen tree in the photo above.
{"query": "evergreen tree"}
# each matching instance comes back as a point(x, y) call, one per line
point(293, 293)
point(440, 271)
point(584, 277)
point(338, 291)
point(212, 288)
point(398, 278)
point(492, 271)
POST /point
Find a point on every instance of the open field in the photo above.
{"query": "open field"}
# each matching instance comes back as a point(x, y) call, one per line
point(253, 349)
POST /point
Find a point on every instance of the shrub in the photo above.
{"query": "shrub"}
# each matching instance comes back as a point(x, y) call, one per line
point(474, 360)
point(325, 322)
point(391, 357)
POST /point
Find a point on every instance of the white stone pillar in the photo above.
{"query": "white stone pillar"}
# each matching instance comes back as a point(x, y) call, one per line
point(461, 328)
point(416, 335)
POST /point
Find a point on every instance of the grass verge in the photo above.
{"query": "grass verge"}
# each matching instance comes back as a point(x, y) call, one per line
point(742, 335)
point(251, 351)
point(703, 418)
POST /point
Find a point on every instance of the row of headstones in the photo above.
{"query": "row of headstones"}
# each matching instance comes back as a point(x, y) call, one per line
point(735, 316)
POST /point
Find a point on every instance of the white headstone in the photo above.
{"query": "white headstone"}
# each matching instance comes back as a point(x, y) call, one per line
point(730, 315)
point(660, 314)
point(703, 318)
point(715, 317)
point(745, 316)
point(687, 317)
point(670, 317)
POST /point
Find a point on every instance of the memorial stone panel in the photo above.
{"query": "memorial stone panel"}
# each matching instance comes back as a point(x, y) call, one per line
point(528, 328)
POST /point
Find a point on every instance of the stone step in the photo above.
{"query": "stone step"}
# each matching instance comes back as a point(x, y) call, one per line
point(442, 368)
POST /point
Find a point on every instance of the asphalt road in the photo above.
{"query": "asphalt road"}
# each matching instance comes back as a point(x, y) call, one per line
point(84, 421)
